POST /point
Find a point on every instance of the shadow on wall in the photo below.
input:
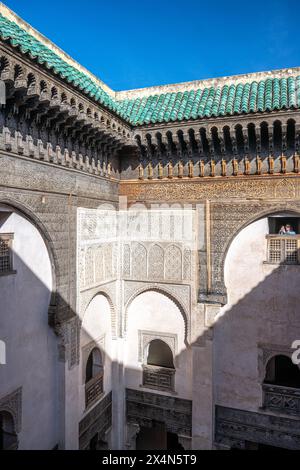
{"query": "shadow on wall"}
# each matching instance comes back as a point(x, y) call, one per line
point(262, 324)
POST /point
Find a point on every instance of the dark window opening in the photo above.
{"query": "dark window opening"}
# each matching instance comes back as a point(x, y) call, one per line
point(276, 223)
point(96, 443)
point(157, 438)
point(159, 370)
point(93, 377)
point(93, 442)
point(159, 354)
point(94, 365)
point(281, 371)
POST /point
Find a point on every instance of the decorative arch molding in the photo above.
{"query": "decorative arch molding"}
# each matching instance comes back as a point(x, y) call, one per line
point(146, 337)
point(109, 292)
point(98, 343)
point(234, 221)
point(12, 404)
point(266, 352)
point(27, 212)
point(178, 294)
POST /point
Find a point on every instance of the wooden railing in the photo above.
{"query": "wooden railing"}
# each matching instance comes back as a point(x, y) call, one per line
point(283, 249)
point(93, 390)
point(158, 377)
point(281, 399)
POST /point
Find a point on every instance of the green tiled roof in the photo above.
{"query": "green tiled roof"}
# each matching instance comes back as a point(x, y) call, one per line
point(37, 50)
point(256, 96)
point(265, 95)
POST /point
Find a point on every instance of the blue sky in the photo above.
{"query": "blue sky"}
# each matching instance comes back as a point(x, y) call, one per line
point(138, 43)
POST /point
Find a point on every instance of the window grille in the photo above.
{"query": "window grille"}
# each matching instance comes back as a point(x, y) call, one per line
point(6, 253)
point(283, 249)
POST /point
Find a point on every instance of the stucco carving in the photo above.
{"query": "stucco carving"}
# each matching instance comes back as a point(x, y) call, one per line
point(96, 264)
point(139, 261)
point(156, 262)
point(12, 403)
point(166, 262)
point(173, 263)
point(234, 427)
point(145, 337)
point(144, 407)
point(187, 190)
point(69, 341)
point(97, 420)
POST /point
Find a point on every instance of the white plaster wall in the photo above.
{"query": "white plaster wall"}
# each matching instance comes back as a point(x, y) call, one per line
point(31, 344)
point(96, 325)
point(262, 308)
point(155, 312)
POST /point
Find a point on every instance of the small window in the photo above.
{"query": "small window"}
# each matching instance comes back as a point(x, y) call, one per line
point(93, 377)
point(284, 225)
point(159, 370)
point(94, 365)
point(281, 387)
point(160, 354)
point(283, 240)
point(6, 265)
point(283, 249)
point(281, 371)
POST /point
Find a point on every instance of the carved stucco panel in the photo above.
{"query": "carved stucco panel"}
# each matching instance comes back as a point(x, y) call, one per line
point(236, 187)
point(12, 403)
point(145, 337)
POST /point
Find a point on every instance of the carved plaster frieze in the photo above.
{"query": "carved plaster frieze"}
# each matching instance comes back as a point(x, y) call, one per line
point(186, 190)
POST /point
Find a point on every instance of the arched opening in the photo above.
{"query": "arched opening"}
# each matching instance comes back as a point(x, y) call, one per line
point(160, 354)
point(227, 140)
point(159, 370)
point(43, 87)
point(8, 436)
point(64, 98)
point(4, 65)
point(18, 72)
point(239, 139)
point(27, 269)
point(264, 132)
point(31, 82)
point(281, 371)
point(94, 366)
point(277, 137)
point(252, 138)
point(93, 377)
point(290, 135)
point(216, 141)
point(54, 93)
